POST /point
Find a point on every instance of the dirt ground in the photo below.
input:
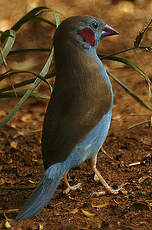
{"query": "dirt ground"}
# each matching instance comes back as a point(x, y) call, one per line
point(129, 143)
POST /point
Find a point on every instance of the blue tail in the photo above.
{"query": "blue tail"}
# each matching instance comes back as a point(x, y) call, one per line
point(39, 198)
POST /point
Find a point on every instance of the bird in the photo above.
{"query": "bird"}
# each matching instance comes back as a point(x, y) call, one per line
point(79, 112)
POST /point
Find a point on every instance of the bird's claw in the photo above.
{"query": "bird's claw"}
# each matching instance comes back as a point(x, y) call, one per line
point(109, 190)
point(74, 187)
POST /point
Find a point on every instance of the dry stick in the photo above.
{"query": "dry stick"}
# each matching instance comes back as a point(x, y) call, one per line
point(139, 123)
point(3, 211)
point(107, 154)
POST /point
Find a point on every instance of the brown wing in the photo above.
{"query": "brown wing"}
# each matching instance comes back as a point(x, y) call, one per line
point(79, 100)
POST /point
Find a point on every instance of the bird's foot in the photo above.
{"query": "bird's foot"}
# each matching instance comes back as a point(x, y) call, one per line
point(74, 187)
point(109, 190)
point(68, 186)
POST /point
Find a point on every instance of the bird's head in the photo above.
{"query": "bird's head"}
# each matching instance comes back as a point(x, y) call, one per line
point(86, 30)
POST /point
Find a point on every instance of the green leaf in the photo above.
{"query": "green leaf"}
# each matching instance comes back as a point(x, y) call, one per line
point(141, 35)
point(26, 50)
point(39, 19)
point(29, 91)
point(138, 39)
point(28, 17)
point(57, 18)
point(4, 35)
point(22, 83)
point(131, 92)
point(8, 45)
point(36, 82)
point(20, 94)
point(32, 16)
point(10, 73)
point(129, 63)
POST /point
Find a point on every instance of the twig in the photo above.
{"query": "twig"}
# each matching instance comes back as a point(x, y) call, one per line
point(134, 164)
point(107, 154)
point(139, 123)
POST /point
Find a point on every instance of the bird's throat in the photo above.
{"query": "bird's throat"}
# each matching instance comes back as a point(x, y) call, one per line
point(87, 35)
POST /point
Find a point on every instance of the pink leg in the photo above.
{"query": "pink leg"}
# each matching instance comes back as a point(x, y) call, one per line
point(67, 185)
point(107, 188)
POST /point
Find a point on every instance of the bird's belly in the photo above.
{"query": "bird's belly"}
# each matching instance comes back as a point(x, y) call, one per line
point(91, 144)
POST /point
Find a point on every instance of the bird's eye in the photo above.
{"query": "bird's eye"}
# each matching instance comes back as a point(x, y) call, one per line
point(95, 25)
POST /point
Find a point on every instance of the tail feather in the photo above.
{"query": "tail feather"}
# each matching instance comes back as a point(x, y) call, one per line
point(39, 198)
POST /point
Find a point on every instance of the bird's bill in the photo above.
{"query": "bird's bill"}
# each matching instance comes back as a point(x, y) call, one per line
point(108, 31)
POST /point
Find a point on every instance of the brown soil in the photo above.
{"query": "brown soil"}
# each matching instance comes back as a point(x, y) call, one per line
point(129, 144)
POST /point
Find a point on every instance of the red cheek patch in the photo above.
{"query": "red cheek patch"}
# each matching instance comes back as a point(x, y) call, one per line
point(87, 35)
